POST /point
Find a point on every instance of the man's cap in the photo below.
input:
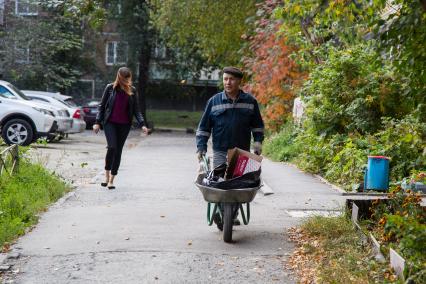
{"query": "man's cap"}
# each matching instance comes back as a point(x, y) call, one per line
point(233, 71)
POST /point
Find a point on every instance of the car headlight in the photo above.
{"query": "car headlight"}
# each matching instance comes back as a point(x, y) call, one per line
point(44, 111)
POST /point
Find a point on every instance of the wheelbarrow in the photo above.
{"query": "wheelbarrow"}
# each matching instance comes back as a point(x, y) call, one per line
point(223, 205)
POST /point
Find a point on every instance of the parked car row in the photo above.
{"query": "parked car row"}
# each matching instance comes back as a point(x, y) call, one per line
point(26, 116)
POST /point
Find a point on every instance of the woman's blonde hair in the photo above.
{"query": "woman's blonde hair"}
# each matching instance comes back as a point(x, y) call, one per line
point(124, 80)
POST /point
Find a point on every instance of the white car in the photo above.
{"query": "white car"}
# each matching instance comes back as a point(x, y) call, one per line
point(76, 113)
point(65, 122)
point(23, 122)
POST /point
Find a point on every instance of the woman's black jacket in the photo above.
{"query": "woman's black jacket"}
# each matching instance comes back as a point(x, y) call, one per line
point(107, 103)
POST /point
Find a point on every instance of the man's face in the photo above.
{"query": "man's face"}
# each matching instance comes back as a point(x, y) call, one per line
point(231, 83)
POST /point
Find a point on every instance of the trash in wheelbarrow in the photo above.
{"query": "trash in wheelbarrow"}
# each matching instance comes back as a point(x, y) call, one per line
point(216, 179)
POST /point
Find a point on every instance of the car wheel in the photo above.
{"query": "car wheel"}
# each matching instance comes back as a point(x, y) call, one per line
point(17, 131)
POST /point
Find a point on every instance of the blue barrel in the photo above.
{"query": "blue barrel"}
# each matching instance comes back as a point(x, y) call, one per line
point(377, 173)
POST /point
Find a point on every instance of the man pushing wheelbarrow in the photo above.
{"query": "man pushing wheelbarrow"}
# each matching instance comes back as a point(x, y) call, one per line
point(232, 117)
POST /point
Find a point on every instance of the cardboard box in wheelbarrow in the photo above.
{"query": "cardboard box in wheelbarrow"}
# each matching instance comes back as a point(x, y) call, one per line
point(241, 162)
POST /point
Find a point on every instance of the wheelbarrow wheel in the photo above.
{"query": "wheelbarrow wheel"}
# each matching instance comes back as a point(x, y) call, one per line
point(228, 221)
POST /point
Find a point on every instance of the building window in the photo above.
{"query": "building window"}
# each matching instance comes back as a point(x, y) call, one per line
point(26, 7)
point(116, 53)
point(160, 52)
point(22, 54)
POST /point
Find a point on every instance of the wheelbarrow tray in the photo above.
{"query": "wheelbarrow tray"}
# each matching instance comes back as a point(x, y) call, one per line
point(216, 195)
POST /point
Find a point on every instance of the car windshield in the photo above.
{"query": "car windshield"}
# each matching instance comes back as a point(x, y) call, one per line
point(19, 92)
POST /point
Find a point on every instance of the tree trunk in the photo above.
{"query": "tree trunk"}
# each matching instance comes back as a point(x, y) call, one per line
point(144, 60)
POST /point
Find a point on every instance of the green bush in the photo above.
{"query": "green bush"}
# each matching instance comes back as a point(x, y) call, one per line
point(404, 141)
point(352, 91)
point(400, 223)
point(315, 152)
point(281, 146)
point(347, 165)
point(23, 196)
point(342, 158)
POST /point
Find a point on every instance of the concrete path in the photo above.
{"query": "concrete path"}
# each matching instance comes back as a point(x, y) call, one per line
point(152, 228)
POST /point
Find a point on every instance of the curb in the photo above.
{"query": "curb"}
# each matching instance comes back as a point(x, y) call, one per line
point(64, 199)
point(333, 186)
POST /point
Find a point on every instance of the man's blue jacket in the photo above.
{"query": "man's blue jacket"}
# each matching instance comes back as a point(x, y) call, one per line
point(230, 122)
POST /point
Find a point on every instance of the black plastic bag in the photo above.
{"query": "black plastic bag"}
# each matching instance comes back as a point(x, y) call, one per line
point(215, 179)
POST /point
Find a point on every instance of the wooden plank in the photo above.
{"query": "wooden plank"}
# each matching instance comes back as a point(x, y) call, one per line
point(13, 153)
point(355, 211)
point(397, 262)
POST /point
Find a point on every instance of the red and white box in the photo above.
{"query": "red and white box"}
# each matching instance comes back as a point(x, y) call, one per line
point(241, 162)
point(245, 165)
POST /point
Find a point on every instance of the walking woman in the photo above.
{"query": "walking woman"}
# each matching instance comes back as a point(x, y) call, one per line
point(118, 106)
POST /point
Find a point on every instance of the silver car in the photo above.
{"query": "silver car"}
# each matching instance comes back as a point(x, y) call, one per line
point(75, 112)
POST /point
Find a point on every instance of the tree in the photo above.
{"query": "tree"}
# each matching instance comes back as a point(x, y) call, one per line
point(206, 33)
point(402, 39)
point(396, 29)
point(49, 56)
point(273, 74)
point(317, 26)
point(135, 25)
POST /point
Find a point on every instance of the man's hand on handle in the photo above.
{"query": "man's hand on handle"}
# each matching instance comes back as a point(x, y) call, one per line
point(201, 155)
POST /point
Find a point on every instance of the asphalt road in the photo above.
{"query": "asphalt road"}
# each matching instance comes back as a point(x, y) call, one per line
point(152, 228)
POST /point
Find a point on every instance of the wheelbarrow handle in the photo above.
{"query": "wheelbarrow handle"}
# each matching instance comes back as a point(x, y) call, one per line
point(205, 164)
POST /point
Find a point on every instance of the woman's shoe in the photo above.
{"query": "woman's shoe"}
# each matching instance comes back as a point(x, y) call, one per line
point(111, 187)
point(104, 184)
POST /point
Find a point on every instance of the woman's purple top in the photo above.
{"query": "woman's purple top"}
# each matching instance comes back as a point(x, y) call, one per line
point(120, 111)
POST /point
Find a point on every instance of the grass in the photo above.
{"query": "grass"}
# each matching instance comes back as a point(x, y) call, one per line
point(340, 256)
point(23, 196)
point(174, 119)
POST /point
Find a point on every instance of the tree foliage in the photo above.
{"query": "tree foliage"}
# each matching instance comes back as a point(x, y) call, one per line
point(88, 11)
point(364, 89)
point(206, 33)
point(273, 73)
point(363, 95)
point(47, 58)
point(136, 28)
point(402, 37)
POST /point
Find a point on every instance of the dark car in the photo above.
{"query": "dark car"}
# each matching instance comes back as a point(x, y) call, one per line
point(90, 110)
